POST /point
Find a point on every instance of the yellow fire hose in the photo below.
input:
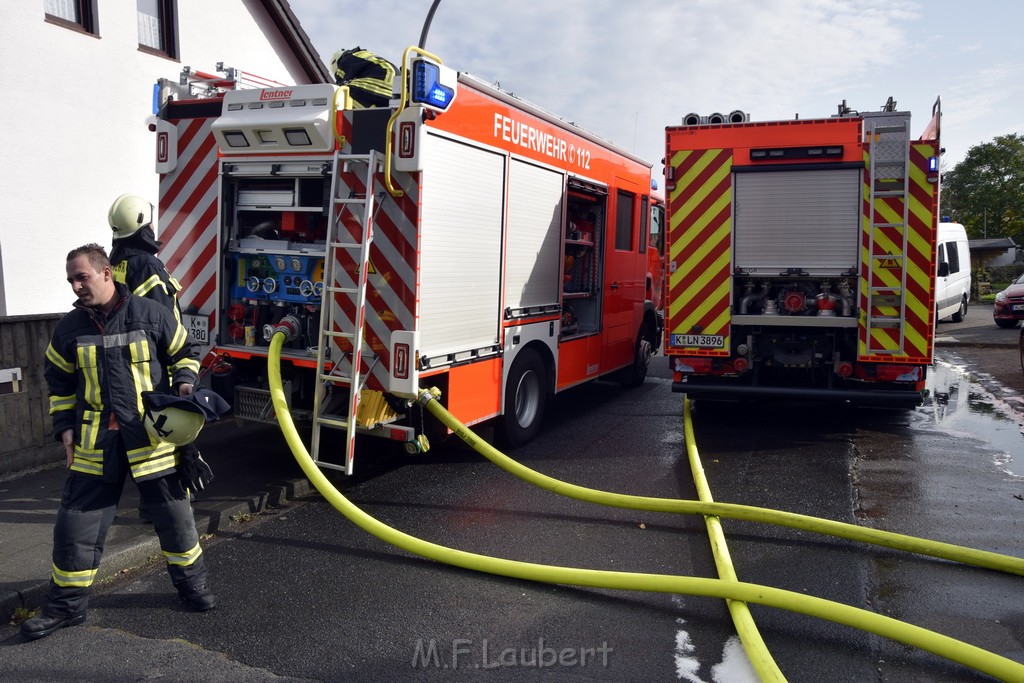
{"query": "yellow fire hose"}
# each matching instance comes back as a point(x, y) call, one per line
point(757, 651)
point(948, 551)
point(915, 636)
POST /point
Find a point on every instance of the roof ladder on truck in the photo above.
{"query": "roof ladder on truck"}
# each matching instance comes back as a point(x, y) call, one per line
point(339, 293)
point(888, 137)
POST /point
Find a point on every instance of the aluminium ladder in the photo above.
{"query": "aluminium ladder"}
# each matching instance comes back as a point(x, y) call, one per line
point(335, 324)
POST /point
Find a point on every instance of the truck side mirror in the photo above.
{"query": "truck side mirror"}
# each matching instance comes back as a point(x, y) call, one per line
point(944, 269)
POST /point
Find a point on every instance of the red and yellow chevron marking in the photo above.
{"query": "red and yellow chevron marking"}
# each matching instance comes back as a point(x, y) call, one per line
point(903, 282)
point(391, 287)
point(922, 226)
point(700, 235)
point(188, 216)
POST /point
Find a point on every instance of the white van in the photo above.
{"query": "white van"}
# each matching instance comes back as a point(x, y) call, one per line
point(953, 274)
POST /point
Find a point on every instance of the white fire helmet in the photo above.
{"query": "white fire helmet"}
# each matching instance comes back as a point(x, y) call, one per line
point(178, 419)
point(128, 214)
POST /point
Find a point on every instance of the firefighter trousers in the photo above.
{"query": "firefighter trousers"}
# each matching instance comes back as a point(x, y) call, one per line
point(87, 510)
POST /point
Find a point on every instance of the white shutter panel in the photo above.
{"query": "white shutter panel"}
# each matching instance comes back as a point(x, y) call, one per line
point(460, 247)
point(534, 219)
point(798, 219)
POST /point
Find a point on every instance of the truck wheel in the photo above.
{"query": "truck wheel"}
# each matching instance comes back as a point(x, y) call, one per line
point(525, 397)
point(958, 317)
point(637, 372)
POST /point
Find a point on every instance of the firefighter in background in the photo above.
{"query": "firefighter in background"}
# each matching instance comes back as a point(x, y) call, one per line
point(370, 78)
point(135, 265)
point(103, 356)
point(133, 253)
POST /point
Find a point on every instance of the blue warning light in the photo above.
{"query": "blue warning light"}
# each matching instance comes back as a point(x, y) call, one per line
point(427, 88)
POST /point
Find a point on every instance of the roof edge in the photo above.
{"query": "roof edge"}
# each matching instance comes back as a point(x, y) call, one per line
point(288, 24)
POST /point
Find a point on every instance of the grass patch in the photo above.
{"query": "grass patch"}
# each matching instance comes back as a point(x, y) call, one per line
point(22, 613)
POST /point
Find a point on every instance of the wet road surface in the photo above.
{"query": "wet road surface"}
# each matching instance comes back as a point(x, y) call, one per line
point(304, 594)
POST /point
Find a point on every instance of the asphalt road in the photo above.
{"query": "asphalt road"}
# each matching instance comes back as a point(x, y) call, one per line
point(306, 595)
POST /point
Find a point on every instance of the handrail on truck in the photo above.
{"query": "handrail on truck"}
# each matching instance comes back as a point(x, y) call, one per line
point(403, 103)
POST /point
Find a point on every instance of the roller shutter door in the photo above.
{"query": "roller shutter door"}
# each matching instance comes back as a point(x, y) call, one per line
point(535, 197)
point(460, 248)
point(808, 219)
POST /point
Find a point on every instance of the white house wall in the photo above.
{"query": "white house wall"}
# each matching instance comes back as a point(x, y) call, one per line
point(74, 132)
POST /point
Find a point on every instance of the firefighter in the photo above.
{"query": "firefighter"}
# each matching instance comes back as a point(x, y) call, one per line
point(103, 355)
point(133, 253)
point(370, 78)
point(135, 265)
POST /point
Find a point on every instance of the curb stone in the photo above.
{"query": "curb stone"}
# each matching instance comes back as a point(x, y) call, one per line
point(139, 551)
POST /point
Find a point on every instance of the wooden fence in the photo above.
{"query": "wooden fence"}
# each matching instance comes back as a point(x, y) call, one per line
point(26, 437)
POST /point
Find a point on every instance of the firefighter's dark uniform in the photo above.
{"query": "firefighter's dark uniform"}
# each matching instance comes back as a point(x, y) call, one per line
point(96, 369)
point(370, 78)
point(134, 264)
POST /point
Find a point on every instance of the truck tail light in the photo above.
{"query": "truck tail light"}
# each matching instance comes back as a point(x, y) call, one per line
point(401, 361)
point(162, 147)
point(844, 369)
point(740, 365)
point(406, 140)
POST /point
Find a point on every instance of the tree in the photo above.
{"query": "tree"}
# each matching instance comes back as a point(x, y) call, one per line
point(985, 191)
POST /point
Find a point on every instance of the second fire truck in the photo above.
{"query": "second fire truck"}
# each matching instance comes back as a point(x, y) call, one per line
point(801, 256)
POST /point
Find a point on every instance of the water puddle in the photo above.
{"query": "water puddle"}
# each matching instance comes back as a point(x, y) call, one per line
point(965, 405)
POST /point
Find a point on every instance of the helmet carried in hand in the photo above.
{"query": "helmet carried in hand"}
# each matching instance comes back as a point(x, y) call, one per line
point(178, 419)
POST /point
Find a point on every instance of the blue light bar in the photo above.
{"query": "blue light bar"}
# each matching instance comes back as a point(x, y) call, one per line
point(933, 164)
point(427, 88)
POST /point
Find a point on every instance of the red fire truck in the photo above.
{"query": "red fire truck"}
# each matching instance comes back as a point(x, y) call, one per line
point(802, 256)
point(461, 238)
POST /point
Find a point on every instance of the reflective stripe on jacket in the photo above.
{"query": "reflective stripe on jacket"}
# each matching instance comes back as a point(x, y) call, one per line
point(145, 275)
point(361, 69)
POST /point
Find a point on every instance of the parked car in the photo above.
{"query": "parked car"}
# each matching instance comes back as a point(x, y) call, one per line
point(1009, 304)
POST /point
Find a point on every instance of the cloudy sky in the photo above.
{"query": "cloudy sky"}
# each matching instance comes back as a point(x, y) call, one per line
point(625, 70)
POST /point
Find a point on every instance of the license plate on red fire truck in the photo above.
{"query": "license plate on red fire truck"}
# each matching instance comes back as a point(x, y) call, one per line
point(198, 327)
point(699, 341)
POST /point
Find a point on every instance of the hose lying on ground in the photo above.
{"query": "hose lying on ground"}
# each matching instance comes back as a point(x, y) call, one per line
point(915, 636)
point(851, 532)
point(757, 651)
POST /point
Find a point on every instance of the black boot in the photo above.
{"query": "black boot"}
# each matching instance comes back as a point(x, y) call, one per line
point(43, 625)
point(198, 598)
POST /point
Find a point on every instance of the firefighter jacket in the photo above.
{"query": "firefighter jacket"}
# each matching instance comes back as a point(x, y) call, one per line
point(134, 264)
point(97, 368)
point(370, 78)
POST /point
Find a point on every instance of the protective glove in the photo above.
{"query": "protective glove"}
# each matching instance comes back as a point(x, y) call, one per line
point(195, 472)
